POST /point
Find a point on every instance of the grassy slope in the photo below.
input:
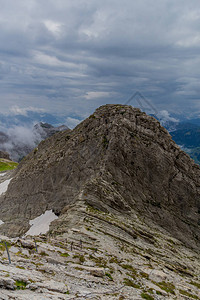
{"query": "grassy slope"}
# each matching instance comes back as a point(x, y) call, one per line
point(7, 165)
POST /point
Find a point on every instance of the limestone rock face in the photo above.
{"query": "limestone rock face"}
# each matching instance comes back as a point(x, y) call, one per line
point(118, 160)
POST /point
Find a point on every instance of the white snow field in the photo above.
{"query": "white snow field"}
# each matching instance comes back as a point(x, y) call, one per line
point(4, 186)
point(40, 225)
point(2, 174)
point(3, 189)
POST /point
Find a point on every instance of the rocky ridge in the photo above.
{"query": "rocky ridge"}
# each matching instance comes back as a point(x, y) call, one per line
point(99, 258)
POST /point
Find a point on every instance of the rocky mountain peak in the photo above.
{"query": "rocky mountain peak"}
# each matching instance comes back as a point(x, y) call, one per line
point(119, 161)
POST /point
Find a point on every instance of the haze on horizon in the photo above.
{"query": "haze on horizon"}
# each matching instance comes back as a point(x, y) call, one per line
point(69, 57)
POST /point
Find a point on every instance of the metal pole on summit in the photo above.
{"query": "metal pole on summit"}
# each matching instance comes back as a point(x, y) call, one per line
point(8, 253)
point(139, 98)
point(35, 245)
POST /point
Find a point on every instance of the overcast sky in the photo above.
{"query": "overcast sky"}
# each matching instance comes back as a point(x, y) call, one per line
point(69, 57)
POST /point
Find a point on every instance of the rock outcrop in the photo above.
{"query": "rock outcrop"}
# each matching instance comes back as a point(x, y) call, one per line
point(5, 155)
point(120, 161)
point(98, 259)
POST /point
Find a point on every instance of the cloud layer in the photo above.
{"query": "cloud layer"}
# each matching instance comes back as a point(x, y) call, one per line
point(68, 57)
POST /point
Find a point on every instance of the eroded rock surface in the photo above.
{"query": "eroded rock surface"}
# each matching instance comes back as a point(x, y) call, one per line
point(94, 256)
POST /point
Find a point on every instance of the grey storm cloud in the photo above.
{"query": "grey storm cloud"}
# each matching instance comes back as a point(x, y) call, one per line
point(71, 56)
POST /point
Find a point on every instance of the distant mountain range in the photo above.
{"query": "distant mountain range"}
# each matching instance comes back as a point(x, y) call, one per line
point(30, 117)
point(18, 143)
point(187, 135)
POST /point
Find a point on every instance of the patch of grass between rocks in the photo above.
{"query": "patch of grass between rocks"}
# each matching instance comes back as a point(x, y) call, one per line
point(166, 286)
point(129, 282)
point(147, 296)
point(20, 285)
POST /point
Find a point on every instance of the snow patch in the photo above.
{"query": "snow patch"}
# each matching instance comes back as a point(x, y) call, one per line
point(40, 225)
point(2, 174)
point(1, 222)
point(4, 186)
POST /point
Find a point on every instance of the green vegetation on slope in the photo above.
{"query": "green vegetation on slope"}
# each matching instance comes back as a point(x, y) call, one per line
point(7, 165)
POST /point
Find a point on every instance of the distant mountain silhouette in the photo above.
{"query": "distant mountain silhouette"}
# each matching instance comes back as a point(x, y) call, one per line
point(19, 146)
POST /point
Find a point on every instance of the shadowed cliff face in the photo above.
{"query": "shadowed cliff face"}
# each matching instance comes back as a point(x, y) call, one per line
point(118, 160)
